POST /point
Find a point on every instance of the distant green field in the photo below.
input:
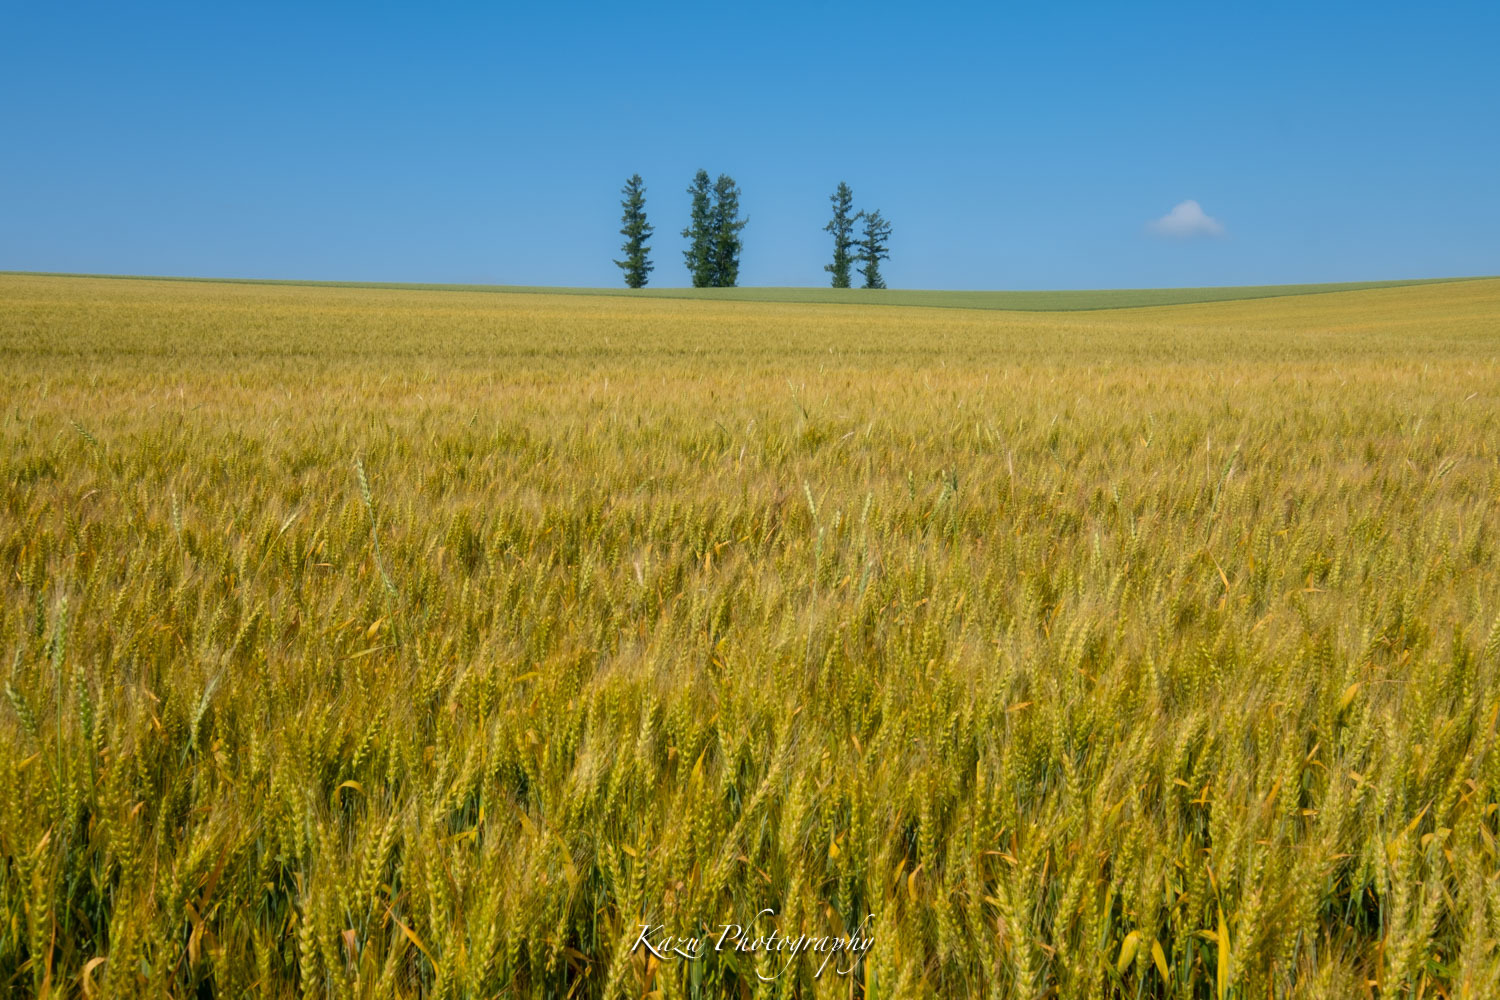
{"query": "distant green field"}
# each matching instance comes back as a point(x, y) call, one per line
point(1055, 301)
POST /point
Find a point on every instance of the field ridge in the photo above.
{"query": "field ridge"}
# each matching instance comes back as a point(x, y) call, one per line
point(1064, 300)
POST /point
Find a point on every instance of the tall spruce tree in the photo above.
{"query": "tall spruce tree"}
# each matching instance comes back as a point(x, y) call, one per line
point(724, 254)
point(872, 248)
point(699, 232)
point(842, 228)
point(636, 230)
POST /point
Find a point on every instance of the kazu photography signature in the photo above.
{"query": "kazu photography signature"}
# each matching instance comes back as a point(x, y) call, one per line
point(844, 950)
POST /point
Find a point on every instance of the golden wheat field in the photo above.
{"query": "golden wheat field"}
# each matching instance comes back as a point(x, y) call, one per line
point(399, 643)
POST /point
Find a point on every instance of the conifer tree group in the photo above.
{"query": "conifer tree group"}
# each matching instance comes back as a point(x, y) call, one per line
point(713, 234)
point(868, 249)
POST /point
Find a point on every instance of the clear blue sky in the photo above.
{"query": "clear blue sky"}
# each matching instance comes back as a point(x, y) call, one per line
point(1012, 146)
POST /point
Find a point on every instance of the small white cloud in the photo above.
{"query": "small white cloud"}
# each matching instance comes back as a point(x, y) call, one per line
point(1185, 222)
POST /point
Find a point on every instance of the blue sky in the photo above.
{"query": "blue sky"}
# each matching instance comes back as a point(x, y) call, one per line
point(1011, 146)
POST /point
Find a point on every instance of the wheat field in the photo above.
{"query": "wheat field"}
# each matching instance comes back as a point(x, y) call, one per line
point(406, 643)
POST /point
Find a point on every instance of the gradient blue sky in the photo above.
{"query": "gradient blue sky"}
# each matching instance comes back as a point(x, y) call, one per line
point(1024, 146)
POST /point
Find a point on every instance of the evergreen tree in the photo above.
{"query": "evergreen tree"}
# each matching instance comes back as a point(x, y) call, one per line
point(724, 253)
point(872, 248)
point(842, 228)
point(636, 230)
point(699, 233)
